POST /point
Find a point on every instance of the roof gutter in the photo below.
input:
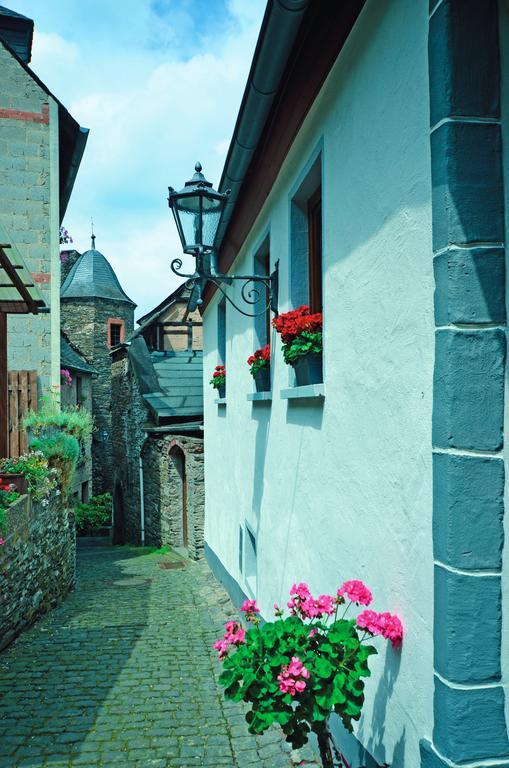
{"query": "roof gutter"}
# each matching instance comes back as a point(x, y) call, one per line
point(280, 26)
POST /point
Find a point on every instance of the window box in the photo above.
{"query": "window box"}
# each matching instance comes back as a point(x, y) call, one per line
point(316, 391)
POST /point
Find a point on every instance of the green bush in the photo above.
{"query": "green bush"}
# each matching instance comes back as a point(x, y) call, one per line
point(62, 451)
point(95, 513)
point(77, 422)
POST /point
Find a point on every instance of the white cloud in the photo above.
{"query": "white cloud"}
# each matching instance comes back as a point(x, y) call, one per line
point(151, 114)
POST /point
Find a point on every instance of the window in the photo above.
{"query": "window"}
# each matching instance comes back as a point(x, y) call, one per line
point(115, 329)
point(85, 494)
point(79, 390)
point(115, 332)
point(262, 321)
point(306, 272)
point(315, 250)
point(221, 332)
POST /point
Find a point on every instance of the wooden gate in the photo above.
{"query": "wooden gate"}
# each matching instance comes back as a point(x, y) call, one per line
point(22, 398)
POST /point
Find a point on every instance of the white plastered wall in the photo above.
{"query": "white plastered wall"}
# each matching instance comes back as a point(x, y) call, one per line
point(344, 490)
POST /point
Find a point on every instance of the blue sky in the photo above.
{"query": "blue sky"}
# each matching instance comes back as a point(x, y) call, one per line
point(159, 84)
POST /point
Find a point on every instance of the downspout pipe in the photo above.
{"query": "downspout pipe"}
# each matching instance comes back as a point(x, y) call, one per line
point(280, 26)
point(142, 497)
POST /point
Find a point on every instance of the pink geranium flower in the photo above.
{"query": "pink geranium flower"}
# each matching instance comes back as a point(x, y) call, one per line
point(292, 678)
point(356, 591)
point(249, 606)
point(384, 624)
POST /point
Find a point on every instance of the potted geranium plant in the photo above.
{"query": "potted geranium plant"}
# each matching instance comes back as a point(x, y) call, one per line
point(298, 669)
point(218, 380)
point(259, 368)
point(301, 334)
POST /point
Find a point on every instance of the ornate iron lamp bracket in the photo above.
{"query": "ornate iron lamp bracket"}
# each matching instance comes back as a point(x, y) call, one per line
point(206, 272)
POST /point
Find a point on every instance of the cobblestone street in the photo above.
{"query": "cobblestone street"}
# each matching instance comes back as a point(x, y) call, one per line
point(123, 674)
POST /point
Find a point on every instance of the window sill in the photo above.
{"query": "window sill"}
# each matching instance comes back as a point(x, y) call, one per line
point(256, 397)
point(316, 391)
point(220, 401)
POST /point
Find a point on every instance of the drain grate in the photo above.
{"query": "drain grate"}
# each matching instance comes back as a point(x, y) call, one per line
point(131, 581)
point(169, 566)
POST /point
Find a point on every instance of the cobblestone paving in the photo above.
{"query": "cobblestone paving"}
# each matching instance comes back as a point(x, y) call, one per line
point(122, 674)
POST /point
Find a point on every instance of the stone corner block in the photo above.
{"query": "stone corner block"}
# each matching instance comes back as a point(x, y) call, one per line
point(468, 511)
point(468, 389)
point(467, 187)
point(467, 650)
point(464, 65)
point(470, 723)
point(429, 758)
point(470, 286)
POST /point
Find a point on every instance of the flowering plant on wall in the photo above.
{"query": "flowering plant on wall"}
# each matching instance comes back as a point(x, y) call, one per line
point(259, 360)
point(65, 377)
point(64, 236)
point(41, 478)
point(301, 333)
point(218, 379)
point(298, 669)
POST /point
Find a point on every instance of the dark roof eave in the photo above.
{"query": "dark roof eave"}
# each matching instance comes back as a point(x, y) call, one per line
point(281, 23)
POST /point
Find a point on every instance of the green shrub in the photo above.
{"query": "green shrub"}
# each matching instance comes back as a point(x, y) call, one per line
point(62, 451)
point(95, 513)
point(77, 422)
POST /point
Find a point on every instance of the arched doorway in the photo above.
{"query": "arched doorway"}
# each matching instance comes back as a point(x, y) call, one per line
point(178, 459)
point(118, 516)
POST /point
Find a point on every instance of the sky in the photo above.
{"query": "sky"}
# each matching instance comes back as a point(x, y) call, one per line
point(159, 84)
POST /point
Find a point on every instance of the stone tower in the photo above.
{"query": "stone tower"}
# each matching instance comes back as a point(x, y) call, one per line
point(96, 314)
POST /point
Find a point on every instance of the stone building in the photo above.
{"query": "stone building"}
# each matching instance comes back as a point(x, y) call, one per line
point(41, 146)
point(96, 316)
point(157, 416)
point(77, 393)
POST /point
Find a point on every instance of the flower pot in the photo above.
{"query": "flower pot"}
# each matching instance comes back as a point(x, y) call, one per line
point(221, 391)
point(14, 478)
point(262, 379)
point(308, 370)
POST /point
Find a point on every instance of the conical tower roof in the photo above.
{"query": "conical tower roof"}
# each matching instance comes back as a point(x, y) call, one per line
point(93, 277)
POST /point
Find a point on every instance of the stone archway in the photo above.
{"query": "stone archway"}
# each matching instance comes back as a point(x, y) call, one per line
point(178, 459)
point(118, 515)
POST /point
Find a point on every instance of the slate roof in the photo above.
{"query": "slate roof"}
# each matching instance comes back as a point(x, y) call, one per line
point(180, 377)
point(71, 358)
point(93, 277)
point(171, 383)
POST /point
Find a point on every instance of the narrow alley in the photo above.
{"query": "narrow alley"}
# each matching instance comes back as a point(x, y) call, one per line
point(123, 673)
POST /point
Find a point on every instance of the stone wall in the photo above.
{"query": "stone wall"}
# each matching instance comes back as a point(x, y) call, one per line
point(37, 563)
point(174, 490)
point(162, 481)
point(25, 205)
point(127, 432)
point(85, 322)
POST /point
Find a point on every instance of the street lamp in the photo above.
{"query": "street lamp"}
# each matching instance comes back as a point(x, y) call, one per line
point(197, 210)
